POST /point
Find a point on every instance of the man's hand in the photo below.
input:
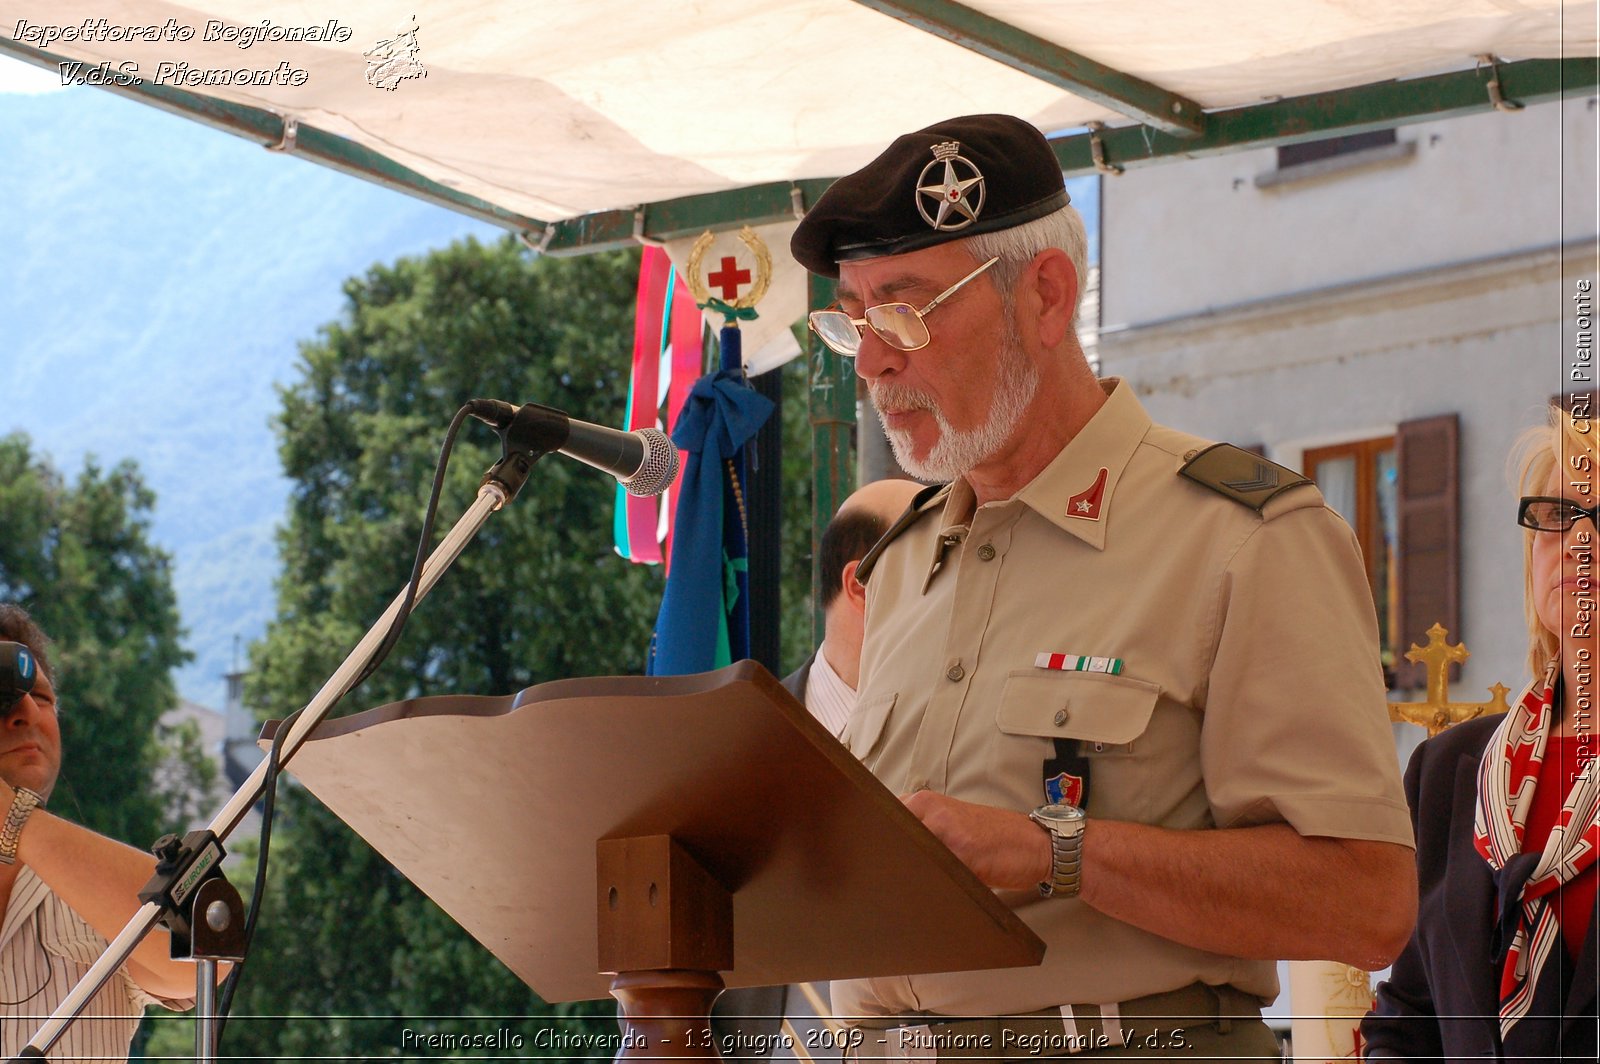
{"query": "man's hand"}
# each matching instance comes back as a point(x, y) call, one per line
point(1262, 892)
point(1003, 848)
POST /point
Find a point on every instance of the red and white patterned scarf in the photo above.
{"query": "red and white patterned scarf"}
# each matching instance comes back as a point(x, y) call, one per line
point(1506, 781)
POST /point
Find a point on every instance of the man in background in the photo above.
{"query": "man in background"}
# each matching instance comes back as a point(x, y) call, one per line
point(64, 890)
point(826, 685)
point(827, 682)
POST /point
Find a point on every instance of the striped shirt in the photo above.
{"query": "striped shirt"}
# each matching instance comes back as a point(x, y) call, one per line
point(828, 697)
point(45, 948)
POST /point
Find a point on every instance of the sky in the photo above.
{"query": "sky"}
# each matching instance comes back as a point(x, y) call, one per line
point(156, 279)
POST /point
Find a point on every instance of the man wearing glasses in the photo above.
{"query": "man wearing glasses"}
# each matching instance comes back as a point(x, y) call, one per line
point(64, 890)
point(1129, 677)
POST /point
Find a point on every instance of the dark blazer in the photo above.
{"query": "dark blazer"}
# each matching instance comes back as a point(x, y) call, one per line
point(1441, 999)
point(796, 680)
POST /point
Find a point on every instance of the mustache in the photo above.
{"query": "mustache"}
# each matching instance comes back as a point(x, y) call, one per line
point(899, 397)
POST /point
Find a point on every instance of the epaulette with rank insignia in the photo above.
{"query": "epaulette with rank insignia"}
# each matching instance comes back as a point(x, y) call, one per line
point(1241, 475)
point(922, 502)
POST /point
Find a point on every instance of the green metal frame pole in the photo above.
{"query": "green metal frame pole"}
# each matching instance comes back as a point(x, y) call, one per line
point(283, 133)
point(833, 418)
point(1049, 62)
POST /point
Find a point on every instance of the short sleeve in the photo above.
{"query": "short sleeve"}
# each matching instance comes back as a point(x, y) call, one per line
point(1296, 726)
point(65, 934)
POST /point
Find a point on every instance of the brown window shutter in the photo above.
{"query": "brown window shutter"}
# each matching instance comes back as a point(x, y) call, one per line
point(1429, 577)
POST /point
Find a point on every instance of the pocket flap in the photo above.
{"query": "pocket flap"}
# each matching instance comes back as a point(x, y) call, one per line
point(866, 722)
point(1078, 705)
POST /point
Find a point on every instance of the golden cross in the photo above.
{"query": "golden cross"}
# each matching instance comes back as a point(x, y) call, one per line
point(1438, 712)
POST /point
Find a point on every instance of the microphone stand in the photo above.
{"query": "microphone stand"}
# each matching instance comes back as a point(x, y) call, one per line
point(188, 877)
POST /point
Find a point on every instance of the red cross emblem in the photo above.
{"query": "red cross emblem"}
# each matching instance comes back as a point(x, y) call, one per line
point(729, 278)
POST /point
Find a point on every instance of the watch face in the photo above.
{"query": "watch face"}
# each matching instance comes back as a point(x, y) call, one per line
point(1060, 814)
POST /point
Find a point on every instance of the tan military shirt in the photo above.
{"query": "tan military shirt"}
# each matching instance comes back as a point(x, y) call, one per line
point(1250, 688)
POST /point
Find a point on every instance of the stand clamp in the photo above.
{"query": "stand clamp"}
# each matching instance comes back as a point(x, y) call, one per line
point(205, 916)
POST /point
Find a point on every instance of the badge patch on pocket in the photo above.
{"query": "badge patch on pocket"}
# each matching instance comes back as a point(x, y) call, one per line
point(1066, 775)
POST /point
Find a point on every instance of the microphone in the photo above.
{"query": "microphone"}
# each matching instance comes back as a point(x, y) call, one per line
point(18, 669)
point(643, 461)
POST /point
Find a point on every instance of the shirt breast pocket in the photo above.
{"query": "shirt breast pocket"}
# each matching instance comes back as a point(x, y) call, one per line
point(865, 725)
point(1088, 725)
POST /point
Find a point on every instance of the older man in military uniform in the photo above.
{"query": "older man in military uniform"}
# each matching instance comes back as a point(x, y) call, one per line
point(1129, 677)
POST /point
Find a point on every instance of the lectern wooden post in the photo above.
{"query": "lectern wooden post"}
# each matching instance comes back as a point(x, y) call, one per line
point(677, 832)
point(666, 930)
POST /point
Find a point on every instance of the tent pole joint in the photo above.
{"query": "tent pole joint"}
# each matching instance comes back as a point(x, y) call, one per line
point(537, 242)
point(1495, 96)
point(289, 135)
point(1097, 151)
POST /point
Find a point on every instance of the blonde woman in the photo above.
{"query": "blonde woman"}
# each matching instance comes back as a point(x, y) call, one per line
point(1503, 963)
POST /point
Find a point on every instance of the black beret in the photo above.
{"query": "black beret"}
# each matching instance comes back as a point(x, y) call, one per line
point(955, 179)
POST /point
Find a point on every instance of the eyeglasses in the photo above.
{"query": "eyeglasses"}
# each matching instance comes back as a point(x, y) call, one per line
point(1544, 514)
point(900, 325)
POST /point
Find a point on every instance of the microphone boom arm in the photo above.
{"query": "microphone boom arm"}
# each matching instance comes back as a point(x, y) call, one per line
point(500, 486)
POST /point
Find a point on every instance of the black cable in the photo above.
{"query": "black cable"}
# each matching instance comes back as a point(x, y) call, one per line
point(269, 786)
point(38, 937)
point(423, 543)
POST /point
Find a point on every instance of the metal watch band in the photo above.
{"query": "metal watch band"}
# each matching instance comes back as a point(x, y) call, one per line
point(22, 805)
point(1065, 866)
point(1066, 849)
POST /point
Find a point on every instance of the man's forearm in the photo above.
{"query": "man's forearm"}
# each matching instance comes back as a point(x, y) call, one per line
point(1262, 892)
point(1259, 892)
point(100, 879)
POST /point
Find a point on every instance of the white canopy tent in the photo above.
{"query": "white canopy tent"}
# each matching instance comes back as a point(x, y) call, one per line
point(549, 111)
point(598, 123)
point(588, 124)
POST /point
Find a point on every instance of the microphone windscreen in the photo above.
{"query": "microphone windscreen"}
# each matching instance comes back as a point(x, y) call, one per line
point(659, 468)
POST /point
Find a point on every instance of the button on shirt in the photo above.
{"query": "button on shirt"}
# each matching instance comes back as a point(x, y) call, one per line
point(1246, 690)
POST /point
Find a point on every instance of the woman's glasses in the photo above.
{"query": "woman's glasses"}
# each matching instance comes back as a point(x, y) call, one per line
point(1544, 514)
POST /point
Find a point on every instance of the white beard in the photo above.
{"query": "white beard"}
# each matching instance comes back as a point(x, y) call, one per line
point(959, 451)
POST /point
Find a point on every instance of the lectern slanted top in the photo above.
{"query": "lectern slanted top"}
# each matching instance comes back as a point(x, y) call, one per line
point(494, 808)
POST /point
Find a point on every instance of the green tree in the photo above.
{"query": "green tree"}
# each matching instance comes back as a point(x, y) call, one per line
point(795, 595)
point(538, 596)
point(79, 557)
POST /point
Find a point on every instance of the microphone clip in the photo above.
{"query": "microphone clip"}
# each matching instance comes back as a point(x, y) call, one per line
point(527, 433)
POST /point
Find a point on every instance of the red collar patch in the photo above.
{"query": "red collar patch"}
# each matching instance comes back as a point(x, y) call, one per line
point(1086, 504)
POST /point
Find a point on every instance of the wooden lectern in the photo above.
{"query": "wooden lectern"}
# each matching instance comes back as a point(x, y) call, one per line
point(657, 838)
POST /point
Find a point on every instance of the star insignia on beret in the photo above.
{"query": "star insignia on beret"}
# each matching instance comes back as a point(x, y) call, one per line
point(959, 197)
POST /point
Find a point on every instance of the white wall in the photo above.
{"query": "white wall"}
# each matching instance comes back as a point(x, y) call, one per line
point(1197, 235)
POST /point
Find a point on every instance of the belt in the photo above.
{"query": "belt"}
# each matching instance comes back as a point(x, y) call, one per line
point(1154, 1022)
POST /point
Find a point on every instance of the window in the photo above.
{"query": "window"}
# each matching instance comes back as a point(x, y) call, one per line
point(1359, 481)
point(1399, 494)
point(1336, 155)
point(1316, 150)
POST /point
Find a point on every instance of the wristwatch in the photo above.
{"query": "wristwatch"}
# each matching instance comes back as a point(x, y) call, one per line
point(1065, 825)
point(23, 803)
